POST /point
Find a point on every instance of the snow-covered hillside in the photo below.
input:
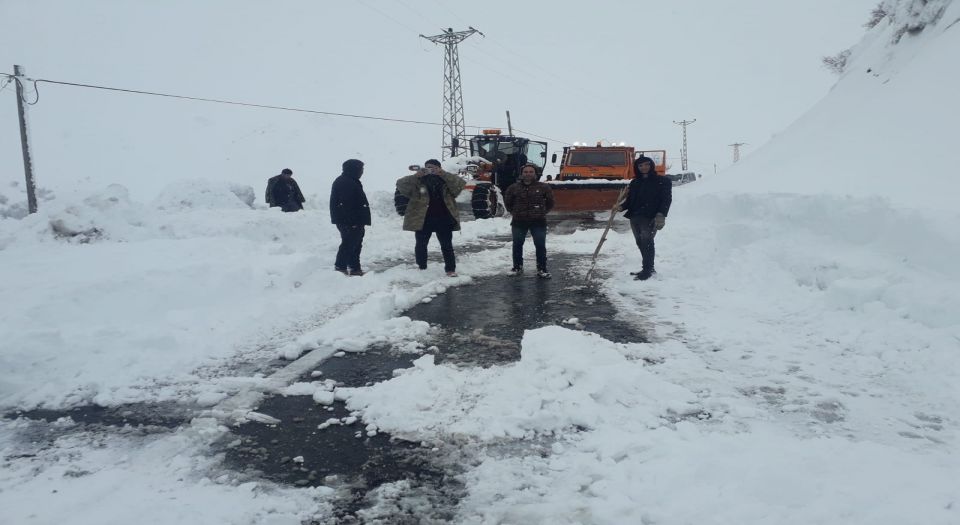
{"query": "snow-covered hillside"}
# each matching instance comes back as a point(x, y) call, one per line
point(889, 126)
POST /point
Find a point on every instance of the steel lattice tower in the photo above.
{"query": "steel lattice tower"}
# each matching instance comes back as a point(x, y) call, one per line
point(736, 150)
point(453, 126)
point(683, 149)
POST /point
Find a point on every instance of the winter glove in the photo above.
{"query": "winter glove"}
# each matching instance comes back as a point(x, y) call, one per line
point(659, 221)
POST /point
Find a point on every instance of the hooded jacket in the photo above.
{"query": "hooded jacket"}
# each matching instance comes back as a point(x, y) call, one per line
point(445, 186)
point(647, 196)
point(348, 201)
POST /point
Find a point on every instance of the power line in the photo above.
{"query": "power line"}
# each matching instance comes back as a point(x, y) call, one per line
point(385, 15)
point(233, 102)
point(542, 137)
point(12, 78)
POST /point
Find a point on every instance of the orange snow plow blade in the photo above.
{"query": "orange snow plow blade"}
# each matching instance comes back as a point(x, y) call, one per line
point(577, 196)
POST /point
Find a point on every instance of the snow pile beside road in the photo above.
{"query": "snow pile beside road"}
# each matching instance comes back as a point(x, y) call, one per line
point(13, 200)
point(684, 475)
point(203, 194)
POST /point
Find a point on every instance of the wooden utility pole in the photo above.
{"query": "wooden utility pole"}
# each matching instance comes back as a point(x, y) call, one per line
point(509, 125)
point(18, 73)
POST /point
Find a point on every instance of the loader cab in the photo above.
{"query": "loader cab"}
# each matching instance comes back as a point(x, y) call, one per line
point(508, 154)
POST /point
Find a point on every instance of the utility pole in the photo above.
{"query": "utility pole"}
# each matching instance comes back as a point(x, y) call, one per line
point(18, 73)
point(453, 127)
point(736, 150)
point(683, 149)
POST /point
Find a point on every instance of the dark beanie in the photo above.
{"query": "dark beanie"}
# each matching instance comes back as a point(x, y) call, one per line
point(286, 171)
point(352, 167)
point(433, 162)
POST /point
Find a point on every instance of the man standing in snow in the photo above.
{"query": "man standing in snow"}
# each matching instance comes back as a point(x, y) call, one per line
point(432, 209)
point(647, 203)
point(529, 201)
point(284, 192)
point(350, 211)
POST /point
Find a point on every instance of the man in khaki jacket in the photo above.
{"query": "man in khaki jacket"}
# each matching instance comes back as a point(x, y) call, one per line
point(432, 209)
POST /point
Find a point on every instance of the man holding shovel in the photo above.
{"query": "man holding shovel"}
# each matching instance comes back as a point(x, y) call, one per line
point(646, 205)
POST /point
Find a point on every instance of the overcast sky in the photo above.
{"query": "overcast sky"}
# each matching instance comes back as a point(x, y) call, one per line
point(570, 71)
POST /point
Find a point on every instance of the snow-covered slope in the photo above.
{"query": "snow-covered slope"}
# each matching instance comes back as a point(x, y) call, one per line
point(887, 128)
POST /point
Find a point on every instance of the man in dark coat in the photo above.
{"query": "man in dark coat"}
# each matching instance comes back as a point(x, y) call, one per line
point(647, 203)
point(529, 201)
point(284, 192)
point(432, 208)
point(350, 211)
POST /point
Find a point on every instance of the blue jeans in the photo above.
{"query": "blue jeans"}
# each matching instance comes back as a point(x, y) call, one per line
point(539, 234)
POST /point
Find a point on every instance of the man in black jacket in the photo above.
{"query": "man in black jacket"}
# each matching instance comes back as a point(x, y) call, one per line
point(284, 192)
point(647, 203)
point(350, 211)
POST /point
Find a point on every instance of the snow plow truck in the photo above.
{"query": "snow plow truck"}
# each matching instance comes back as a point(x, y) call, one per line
point(591, 177)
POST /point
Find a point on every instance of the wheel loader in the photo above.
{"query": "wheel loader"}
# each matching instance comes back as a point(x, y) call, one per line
point(494, 164)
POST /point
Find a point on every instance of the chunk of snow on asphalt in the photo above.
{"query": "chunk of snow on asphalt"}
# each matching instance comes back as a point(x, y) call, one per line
point(257, 417)
point(323, 396)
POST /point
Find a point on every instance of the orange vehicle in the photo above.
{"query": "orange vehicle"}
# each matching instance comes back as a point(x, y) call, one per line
point(591, 177)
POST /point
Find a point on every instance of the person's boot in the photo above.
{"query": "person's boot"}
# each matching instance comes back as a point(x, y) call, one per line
point(341, 270)
point(357, 273)
point(517, 270)
point(645, 274)
point(543, 274)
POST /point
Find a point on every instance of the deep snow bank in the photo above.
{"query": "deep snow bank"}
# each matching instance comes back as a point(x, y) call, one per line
point(887, 128)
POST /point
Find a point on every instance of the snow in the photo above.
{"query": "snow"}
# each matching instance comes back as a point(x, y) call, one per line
point(887, 128)
point(91, 479)
point(801, 362)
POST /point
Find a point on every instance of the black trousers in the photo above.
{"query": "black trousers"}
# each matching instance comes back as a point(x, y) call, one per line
point(351, 242)
point(643, 232)
point(539, 234)
point(445, 237)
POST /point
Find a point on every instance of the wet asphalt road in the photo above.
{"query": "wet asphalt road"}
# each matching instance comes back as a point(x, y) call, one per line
point(479, 324)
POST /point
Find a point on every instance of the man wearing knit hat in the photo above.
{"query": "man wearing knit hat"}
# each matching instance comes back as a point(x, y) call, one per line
point(350, 211)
